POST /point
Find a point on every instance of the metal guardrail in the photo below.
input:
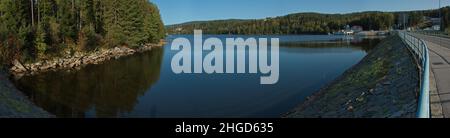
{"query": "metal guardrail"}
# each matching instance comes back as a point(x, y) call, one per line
point(420, 50)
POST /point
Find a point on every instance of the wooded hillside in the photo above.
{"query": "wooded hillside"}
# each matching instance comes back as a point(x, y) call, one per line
point(37, 29)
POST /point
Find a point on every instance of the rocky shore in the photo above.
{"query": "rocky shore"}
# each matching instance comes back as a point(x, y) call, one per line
point(14, 104)
point(385, 84)
point(75, 61)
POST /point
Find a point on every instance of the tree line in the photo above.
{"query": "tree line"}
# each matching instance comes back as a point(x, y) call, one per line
point(310, 23)
point(416, 19)
point(300, 23)
point(38, 29)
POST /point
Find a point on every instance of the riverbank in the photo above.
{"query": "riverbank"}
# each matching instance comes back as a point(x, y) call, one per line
point(76, 60)
point(14, 104)
point(383, 85)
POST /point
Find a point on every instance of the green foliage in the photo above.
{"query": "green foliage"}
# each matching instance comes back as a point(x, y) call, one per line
point(416, 21)
point(301, 23)
point(415, 18)
point(312, 23)
point(14, 30)
point(446, 18)
point(39, 42)
point(153, 23)
point(375, 21)
point(87, 38)
point(132, 23)
point(39, 28)
point(67, 20)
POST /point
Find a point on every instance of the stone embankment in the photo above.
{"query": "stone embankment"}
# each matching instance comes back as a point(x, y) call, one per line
point(385, 84)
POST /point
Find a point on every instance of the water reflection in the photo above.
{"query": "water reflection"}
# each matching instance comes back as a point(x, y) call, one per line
point(144, 85)
point(106, 90)
point(358, 43)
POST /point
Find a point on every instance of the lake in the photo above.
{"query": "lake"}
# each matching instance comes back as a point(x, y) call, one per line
point(143, 85)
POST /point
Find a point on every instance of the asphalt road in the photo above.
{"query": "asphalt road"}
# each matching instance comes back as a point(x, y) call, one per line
point(439, 52)
point(444, 42)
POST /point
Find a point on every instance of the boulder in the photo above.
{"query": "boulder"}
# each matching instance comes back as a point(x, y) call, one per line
point(75, 63)
point(45, 67)
point(34, 68)
point(18, 67)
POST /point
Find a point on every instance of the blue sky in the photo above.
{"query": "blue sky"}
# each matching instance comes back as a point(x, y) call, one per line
point(179, 11)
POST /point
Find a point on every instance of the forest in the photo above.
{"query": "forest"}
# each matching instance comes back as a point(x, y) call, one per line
point(310, 23)
point(33, 30)
point(302, 23)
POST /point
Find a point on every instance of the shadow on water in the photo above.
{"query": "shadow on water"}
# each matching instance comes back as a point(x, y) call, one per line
point(106, 90)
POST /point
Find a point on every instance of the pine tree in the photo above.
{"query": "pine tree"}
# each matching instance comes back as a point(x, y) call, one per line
point(14, 28)
point(39, 42)
point(153, 26)
point(39, 27)
point(86, 36)
point(99, 8)
point(114, 35)
point(66, 20)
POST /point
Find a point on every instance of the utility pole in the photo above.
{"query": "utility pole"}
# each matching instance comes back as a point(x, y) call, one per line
point(404, 21)
point(440, 22)
point(440, 16)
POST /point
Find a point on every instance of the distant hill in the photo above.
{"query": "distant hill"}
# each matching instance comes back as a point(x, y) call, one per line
point(199, 22)
point(309, 23)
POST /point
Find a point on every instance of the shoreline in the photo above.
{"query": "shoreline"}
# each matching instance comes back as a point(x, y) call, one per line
point(382, 85)
point(76, 61)
point(15, 104)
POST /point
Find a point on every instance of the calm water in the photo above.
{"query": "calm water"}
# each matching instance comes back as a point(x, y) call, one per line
point(144, 85)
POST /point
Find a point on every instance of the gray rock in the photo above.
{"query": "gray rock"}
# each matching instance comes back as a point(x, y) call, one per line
point(18, 67)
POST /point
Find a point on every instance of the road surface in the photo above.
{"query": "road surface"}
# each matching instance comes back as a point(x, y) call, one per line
point(439, 52)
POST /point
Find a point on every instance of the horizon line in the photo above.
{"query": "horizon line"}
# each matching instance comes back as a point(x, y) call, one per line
point(330, 13)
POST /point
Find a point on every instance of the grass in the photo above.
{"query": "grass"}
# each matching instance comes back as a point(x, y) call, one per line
point(19, 106)
point(367, 76)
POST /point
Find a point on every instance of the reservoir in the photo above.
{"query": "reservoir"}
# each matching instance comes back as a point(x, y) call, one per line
point(144, 85)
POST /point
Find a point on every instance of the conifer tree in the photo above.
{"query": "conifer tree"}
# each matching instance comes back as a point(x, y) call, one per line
point(39, 42)
point(33, 28)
